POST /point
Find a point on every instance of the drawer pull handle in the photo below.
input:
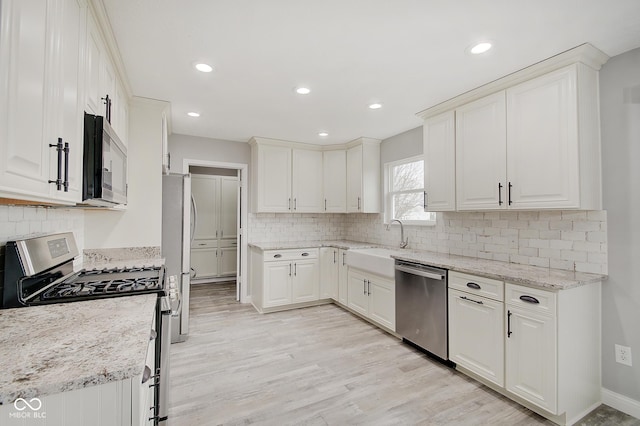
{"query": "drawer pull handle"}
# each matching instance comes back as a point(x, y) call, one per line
point(277, 256)
point(509, 324)
point(479, 302)
point(529, 299)
point(305, 254)
point(474, 286)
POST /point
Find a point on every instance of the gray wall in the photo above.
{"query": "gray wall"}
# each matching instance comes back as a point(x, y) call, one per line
point(620, 120)
point(404, 145)
point(193, 147)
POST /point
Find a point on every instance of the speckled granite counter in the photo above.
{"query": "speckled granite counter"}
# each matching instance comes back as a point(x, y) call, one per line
point(343, 244)
point(533, 276)
point(56, 348)
point(121, 257)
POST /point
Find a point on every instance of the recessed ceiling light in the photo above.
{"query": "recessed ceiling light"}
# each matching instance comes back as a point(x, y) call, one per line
point(480, 48)
point(193, 114)
point(303, 90)
point(323, 134)
point(204, 67)
point(375, 106)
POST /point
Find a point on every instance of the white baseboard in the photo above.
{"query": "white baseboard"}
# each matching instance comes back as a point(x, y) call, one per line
point(621, 403)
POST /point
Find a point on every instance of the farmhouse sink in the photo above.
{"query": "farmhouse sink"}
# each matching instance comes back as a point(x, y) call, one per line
point(375, 260)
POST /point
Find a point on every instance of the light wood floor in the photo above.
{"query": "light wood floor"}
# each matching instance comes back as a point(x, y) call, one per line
point(321, 366)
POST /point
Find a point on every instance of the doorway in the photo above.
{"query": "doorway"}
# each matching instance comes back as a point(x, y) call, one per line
point(215, 247)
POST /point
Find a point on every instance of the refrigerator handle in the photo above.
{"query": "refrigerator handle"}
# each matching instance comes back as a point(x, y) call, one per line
point(194, 207)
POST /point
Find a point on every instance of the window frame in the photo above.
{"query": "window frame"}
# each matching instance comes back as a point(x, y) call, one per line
point(388, 193)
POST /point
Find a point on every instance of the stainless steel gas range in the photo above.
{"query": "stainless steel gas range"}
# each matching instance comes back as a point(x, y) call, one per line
point(39, 271)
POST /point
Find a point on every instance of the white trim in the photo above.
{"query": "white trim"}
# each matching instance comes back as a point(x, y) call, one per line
point(621, 403)
point(242, 277)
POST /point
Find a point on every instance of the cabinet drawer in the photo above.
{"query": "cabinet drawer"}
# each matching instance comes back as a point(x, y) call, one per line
point(277, 255)
point(228, 243)
point(531, 298)
point(198, 244)
point(486, 287)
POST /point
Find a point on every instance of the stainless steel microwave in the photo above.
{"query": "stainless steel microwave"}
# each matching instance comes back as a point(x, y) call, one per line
point(104, 177)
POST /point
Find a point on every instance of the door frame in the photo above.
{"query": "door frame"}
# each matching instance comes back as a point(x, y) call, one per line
point(242, 282)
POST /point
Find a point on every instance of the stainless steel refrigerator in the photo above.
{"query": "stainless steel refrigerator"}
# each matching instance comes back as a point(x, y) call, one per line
point(176, 247)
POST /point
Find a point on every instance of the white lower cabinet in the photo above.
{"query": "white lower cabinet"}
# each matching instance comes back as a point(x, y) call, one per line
point(343, 269)
point(536, 346)
point(284, 277)
point(531, 346)
point(329, 273)
point(476, 339)
point(373, 297)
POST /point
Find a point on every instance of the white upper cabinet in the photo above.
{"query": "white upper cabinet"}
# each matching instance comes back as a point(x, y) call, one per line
point(524, 148)
point(363, 176)
point(306, 184)
point(335, 181)
point(553, 154)
point(291, 177)
point(102, 81)
point(272, 178)
point(481, 153)
point(439, 163)
point(41, 43)
point(528, 141)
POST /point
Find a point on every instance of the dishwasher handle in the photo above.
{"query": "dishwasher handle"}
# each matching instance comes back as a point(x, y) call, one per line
point(420, 272)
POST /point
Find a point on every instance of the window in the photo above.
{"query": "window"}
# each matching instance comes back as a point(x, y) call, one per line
point(404, 192)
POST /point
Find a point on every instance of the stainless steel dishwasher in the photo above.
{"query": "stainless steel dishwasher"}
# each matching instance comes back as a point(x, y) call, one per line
point(421, 307)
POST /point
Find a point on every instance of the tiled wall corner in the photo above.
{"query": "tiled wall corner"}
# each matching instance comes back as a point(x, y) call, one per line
point(283, 227)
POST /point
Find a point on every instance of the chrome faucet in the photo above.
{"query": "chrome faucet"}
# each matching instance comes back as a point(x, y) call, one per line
point(403, 242)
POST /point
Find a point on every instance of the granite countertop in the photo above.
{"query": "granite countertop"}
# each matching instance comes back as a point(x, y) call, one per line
point(343, 244)
point(532, 276)
point(55, 348)
point(91, 264)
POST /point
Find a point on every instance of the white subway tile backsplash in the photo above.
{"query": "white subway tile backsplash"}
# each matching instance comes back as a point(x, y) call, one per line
point(25, 221)
point(546, 238)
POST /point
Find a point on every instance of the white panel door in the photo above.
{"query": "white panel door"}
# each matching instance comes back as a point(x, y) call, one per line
point(204, 262)
point(358, 299)
point(335, 181)
point(70, 97)
point(306, 281)
point(307, 181)
point(342, 277)
point(481, 154)
point(439, 162)
point(228, 207)
point(274, 179)
point(542, 142)
point(277, 283)
point(531, 357)
point(476, 335)
point(94, 51)
point(354, 179)
point(205, 191)
point(326, 271)
point(26, 84)
point(227, 261)
point(382, 302)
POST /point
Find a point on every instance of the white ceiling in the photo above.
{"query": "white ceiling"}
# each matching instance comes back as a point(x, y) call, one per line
point(406, 54)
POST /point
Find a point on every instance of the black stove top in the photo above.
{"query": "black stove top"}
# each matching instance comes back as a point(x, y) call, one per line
point(105, 283)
